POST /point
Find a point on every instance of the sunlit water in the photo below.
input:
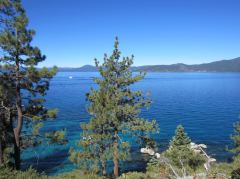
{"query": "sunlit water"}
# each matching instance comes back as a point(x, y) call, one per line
point(207, 104)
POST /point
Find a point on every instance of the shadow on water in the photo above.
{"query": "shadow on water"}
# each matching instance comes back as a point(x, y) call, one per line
point(49, 163)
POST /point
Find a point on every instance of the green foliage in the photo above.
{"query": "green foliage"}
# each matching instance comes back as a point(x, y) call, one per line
point(114, 108)
point(6, 131)
point(57, 137)
point(52, 113)
point(180, 155)
point(196, 161)
point(135, 175)
point(157, 166)
point(22, 85)
point(236, 162)
point(77, 174)
point(236, 139)
point(6, 173)
point(7, 158)
point(235, 174)
point(224, 169)
point(179, 148)
point(180, 141)
point(220, 169)
point(164, 167)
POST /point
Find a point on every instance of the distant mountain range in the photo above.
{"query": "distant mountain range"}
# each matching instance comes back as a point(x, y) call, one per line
point(85, 68)
point(232, 65)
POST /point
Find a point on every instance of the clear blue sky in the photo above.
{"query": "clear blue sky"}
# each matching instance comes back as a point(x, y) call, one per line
point(73, 32)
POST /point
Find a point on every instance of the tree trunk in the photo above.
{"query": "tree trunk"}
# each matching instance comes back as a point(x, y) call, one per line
point(17, 132)
point(1, 153)
point(17, 152)
point(115, 155)
point(18, 128)
point(104, 172)
point(103, 162)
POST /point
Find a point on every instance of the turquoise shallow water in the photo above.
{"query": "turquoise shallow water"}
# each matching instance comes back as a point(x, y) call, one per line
point(207, 104)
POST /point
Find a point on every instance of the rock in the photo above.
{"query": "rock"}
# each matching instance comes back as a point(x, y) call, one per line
point(202, 145)
point(87, 138)
point(193, 146)
point(206, 166)
point(147, 150)
point(157, 155)
point(212, 160)
point(197, 146)
point(143, 150)
point(84, 138)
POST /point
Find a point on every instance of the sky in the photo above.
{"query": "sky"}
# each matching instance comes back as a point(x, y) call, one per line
point(71, 33)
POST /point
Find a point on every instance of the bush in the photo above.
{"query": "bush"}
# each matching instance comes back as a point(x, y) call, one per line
point(235, 174)
point(220, 169)
point(135, 175)
point(77, 174)
point(6, 173)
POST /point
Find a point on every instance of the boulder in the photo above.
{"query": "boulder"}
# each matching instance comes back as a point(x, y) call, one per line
point(147, 150)
point(193, 146)
point(202, 146)
point(157, 155)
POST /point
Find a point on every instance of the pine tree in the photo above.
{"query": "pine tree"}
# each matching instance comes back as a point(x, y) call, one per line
point(18, 63)
point(180, 140)
point(180, 154)
point(236, 139)
point(236, 151)
point(179, 147)
point(115, 109)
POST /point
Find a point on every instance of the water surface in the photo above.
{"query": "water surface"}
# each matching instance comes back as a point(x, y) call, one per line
point(207, 104)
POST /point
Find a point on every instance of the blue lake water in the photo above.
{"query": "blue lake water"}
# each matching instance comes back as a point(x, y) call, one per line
point(207, 104)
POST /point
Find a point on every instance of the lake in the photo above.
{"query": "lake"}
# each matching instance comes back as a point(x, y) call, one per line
point(207, 104)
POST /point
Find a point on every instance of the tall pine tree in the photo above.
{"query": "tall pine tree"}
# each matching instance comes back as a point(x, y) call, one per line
point(18, 63)
point(115, 109)
point(236, 139)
